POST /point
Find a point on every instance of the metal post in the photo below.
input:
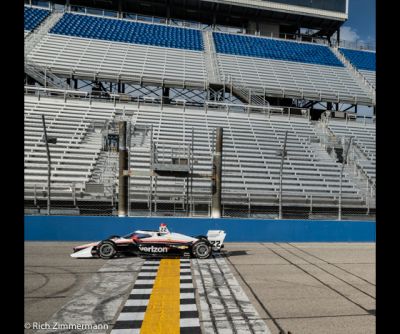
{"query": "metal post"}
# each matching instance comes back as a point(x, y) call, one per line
point(191, 172)
point(112, 195)
point(155, 194)
point(152, 169)
point(48, 165)
point(217, 175)
point(249, 208)
point(151, 195)
point(34, 194)
point(283, 154)
point(123, 166)
point(344, 161)
point(187, 196)
point(74, 194)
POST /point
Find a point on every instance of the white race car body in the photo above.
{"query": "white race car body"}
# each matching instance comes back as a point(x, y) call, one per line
point(153, 243)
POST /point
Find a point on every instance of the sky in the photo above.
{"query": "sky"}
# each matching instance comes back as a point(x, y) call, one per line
point(361, 23)
point(360, 26)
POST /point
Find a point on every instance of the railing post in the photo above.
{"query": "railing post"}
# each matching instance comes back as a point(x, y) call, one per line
point(283, 154)
point(249, 205)
point(123, 167)
point(345, 156)
point(217, 174)
point(112, 194)
point(48, 165)
point(34, 195)
point(74, 194)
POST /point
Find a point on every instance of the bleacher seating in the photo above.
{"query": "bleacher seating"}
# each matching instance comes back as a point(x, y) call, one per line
point(292, 69)
point(85, 58)
point(363, 61)
point(87, 46)
point(364, 137)
point(75, 153)
point(270, 48)
point(33, 17)
point(115, 30)
point(250, 164)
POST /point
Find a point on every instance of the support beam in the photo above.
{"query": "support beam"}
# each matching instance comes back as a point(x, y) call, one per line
point(217, 175)
point(123, 166)
point(48, 165)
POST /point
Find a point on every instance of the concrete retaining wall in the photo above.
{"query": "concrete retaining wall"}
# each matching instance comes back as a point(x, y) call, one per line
point(82, 228)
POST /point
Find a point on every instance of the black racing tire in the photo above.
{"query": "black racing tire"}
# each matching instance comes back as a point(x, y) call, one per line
point(201, 237)
point(106, 249)
point(202, 249)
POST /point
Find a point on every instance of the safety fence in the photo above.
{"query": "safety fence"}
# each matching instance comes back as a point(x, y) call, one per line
point(291, 206)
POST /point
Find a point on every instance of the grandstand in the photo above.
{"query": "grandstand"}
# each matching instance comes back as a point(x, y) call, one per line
point(85, 72)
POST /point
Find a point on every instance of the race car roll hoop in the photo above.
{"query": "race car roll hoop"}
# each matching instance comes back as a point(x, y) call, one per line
point(168, 162)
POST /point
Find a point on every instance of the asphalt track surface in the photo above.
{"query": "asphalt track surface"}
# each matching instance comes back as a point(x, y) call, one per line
point(291, 287)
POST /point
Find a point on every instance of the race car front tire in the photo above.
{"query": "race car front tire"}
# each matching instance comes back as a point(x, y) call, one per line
point(106, 249)
point(202, 249)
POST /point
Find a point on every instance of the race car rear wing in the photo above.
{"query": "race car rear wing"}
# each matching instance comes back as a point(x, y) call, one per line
point(216, 238)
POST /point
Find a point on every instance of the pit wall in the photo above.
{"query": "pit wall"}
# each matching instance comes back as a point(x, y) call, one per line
point(86, 228)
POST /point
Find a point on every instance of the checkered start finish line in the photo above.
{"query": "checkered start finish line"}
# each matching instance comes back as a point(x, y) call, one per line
point(161, 301)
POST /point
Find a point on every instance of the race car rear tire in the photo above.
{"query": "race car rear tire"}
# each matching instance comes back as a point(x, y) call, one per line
point(106, 249)
point(202, 249)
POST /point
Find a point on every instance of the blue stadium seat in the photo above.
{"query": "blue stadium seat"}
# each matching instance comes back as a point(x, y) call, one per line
point(362, 60)
point(275, 49)
point(130, 32)
point(33, 17)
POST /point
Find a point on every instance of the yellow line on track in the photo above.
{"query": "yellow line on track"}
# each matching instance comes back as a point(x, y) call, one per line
point(163, 311)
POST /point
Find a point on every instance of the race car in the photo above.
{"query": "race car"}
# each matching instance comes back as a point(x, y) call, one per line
point(161, 243)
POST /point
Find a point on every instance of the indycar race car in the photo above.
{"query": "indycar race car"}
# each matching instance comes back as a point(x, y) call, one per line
point(159, 243)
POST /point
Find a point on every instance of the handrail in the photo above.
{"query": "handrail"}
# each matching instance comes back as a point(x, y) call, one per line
point(54, 90)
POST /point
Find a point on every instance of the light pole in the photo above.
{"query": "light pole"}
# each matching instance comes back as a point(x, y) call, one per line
point(344, 161)
point(48, 140)
point(283, 154)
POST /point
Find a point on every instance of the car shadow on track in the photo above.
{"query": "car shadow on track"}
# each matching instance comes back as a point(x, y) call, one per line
point(235, 253)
